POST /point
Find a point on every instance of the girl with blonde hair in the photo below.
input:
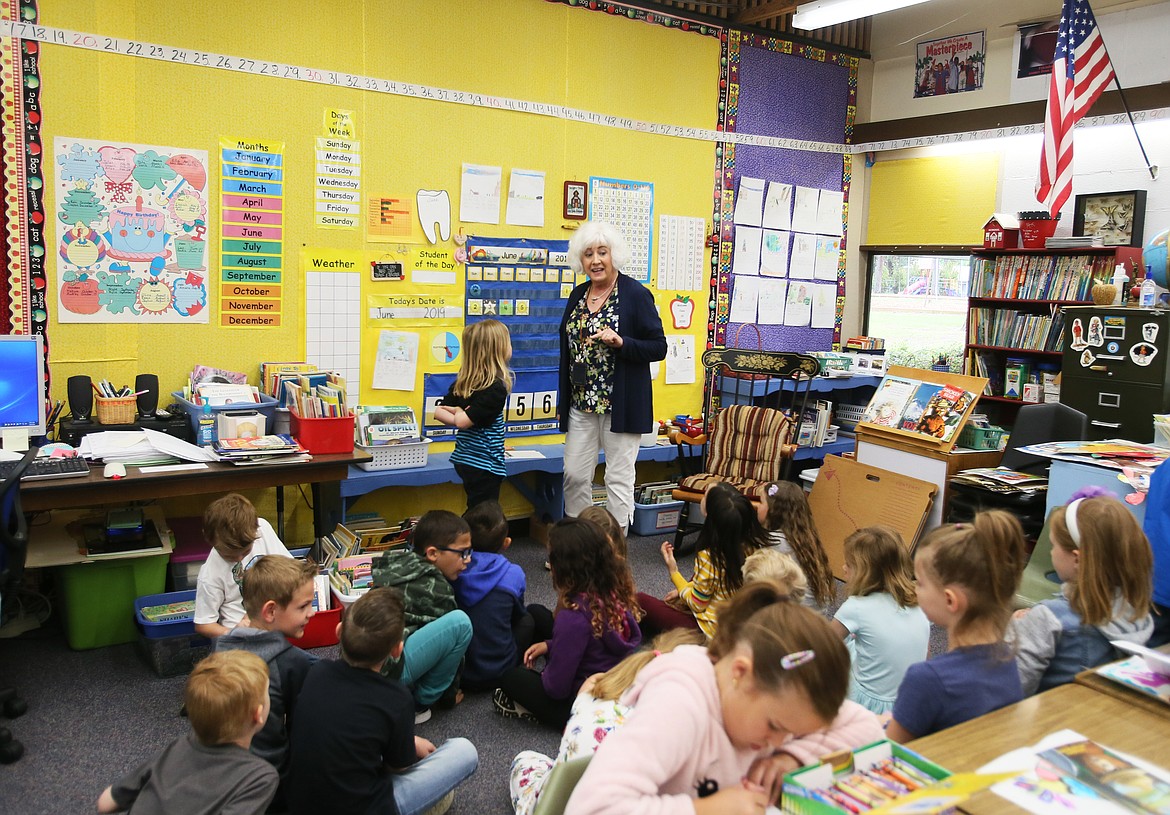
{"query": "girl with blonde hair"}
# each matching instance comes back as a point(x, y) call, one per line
point(475, 406)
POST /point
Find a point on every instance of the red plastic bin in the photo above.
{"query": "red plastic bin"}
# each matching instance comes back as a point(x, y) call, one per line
point(322, 436)
point(322, 628)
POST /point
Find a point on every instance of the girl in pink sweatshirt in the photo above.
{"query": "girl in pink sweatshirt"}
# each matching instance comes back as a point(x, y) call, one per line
point(710, 727)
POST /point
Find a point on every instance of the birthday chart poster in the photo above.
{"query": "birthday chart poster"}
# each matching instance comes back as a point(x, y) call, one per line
point(132, 232)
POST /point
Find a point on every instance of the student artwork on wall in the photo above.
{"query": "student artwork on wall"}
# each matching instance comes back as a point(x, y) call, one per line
point(132, 232)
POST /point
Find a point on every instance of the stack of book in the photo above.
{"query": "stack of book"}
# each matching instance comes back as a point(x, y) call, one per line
point(261, 450)
point(316, 395)
point(273, 375)
point(657, 492)
point(814, 424)
point(362, 534)
point(1001, 479)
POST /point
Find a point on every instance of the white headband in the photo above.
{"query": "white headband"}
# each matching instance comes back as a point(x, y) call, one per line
point(1070, 520)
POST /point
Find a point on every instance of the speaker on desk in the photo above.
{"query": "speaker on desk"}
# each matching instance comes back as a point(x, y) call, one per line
point(146, 386)
point(80, 392)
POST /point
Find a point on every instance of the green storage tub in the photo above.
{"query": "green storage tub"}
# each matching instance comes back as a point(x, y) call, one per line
point(99, 598)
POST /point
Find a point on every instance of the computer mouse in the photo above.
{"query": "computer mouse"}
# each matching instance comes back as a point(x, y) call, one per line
point(115, 469)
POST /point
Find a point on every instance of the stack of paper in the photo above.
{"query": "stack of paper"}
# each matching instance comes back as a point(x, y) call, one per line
point(125, 446)
point(262, 450)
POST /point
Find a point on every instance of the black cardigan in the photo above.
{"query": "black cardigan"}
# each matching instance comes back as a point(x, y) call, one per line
point(643, 342)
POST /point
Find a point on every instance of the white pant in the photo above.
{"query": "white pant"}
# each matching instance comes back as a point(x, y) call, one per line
point(589, 432)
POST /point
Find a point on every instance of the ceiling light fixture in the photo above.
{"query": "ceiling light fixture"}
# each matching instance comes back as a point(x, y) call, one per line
point(824, 13)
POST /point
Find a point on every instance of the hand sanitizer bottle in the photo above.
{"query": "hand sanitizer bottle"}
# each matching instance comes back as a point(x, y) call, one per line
point(206, 426)
point(1149, 291)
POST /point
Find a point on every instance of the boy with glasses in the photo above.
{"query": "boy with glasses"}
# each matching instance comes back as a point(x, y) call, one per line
point(237, 535)
point(437, 633)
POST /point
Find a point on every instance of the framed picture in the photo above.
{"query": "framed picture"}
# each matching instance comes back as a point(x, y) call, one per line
point(576, 200)
point(1116, 217)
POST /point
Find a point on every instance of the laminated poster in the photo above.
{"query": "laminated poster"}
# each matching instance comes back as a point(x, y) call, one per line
point(132, 232)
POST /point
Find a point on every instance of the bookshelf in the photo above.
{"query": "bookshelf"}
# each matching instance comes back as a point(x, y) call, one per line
point(1015, 310)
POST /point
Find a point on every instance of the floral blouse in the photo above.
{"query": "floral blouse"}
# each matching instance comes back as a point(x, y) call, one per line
point(597, 357)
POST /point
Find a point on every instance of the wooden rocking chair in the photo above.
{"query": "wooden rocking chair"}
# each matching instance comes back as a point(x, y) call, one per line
point(754, 403)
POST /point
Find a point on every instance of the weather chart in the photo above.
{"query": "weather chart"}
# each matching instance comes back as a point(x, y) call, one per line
point(131, 232)
point(525, 284)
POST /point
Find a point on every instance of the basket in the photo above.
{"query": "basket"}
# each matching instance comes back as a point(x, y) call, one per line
point(118, 410)
point(401, 456)
point(981, 438)
point(848, 415)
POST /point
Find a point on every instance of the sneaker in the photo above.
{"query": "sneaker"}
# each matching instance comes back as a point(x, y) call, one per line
point(422, 714)
point(442, 805)
point(509, 709)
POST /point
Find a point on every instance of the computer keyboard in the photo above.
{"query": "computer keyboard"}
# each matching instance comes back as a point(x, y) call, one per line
point(38, 468)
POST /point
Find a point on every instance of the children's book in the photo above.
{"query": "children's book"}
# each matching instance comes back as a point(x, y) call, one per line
point(179, 611)
point(889, 401)
point(385, 424)
point(916, 407)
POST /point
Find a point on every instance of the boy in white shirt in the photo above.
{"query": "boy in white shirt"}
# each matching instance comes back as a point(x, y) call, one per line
point(237, 537)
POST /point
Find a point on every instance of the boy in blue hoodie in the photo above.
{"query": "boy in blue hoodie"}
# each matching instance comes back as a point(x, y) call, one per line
point(491, 591)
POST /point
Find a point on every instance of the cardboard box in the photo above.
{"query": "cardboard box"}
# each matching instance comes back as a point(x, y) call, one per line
point(1032, 392)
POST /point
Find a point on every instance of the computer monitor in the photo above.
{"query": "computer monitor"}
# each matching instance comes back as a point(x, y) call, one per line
point(22, 382)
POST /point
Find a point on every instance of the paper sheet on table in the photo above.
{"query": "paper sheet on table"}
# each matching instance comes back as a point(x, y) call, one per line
point(830, 206)
point(804, 210)
point(778, 206)
point(798, 308)
point(525, 198)
point(1049, 795)
point(116, 445)
point(824, 306)
point(479, 198)
point(523, 454)
point(774, 253)
point(828, 254)
point(745, 292)
point(396, 361)
point(749, 203)
point(747, 251)
point(773, 295)
point(680, 359)
point(178, 448)
point(804, 255)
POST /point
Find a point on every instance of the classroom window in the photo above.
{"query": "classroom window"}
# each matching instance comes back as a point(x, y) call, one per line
point(917, 302)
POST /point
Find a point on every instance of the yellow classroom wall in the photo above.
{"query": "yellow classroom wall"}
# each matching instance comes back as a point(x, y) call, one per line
point(931, 200)
point(523, 49)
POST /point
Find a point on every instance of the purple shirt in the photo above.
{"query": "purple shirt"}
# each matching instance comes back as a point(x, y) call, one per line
point(574, 654)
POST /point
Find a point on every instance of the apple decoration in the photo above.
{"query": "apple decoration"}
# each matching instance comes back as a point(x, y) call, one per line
point(681, 309)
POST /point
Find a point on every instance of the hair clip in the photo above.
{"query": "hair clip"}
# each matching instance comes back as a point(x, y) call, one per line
point(796, 659)
point(773, 489)
point(657, 653)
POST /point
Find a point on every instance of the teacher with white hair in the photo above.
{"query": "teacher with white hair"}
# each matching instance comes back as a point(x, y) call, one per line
point(610, 333)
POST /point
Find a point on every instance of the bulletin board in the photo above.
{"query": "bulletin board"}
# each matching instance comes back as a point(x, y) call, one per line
point(817, 90)
point(394, 145)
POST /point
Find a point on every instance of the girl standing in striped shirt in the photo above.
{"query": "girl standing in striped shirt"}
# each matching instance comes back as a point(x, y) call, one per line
point(475, 406)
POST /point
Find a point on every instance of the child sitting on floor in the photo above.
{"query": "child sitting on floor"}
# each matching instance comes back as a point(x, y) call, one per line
point(785, 513)
point(730, 533)
point(491, 591)
point(881, 622)
point(967, 576)
point(594, 628)
point(278, 596)
point(353, 747)
point(236, 534)
point(437, 632)
point(209, 769)
point(1105, 567)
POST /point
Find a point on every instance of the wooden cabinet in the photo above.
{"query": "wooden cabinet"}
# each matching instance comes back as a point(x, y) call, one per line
point(1015, 310)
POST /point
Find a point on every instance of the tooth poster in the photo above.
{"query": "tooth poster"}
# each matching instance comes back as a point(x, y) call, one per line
point(251, 289)
point(132, 230)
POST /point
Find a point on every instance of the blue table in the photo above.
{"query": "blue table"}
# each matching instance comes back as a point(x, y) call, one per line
point(545, 491)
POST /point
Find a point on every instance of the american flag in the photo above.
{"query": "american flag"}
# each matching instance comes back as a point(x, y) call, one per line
point(1080, 72)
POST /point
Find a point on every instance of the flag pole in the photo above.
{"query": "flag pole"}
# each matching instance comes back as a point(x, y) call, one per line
point(1152, 168)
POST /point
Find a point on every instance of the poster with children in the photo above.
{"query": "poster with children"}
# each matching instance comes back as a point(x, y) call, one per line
point(132, 231)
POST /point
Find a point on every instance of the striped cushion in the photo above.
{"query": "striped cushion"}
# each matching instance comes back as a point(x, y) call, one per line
point(746, 449)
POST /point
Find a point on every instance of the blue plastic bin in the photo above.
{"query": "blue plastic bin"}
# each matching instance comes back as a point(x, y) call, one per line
point(266, 407)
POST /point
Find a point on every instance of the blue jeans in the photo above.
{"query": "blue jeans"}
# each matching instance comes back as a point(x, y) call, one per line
point(422, 785)
point(431, 657)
